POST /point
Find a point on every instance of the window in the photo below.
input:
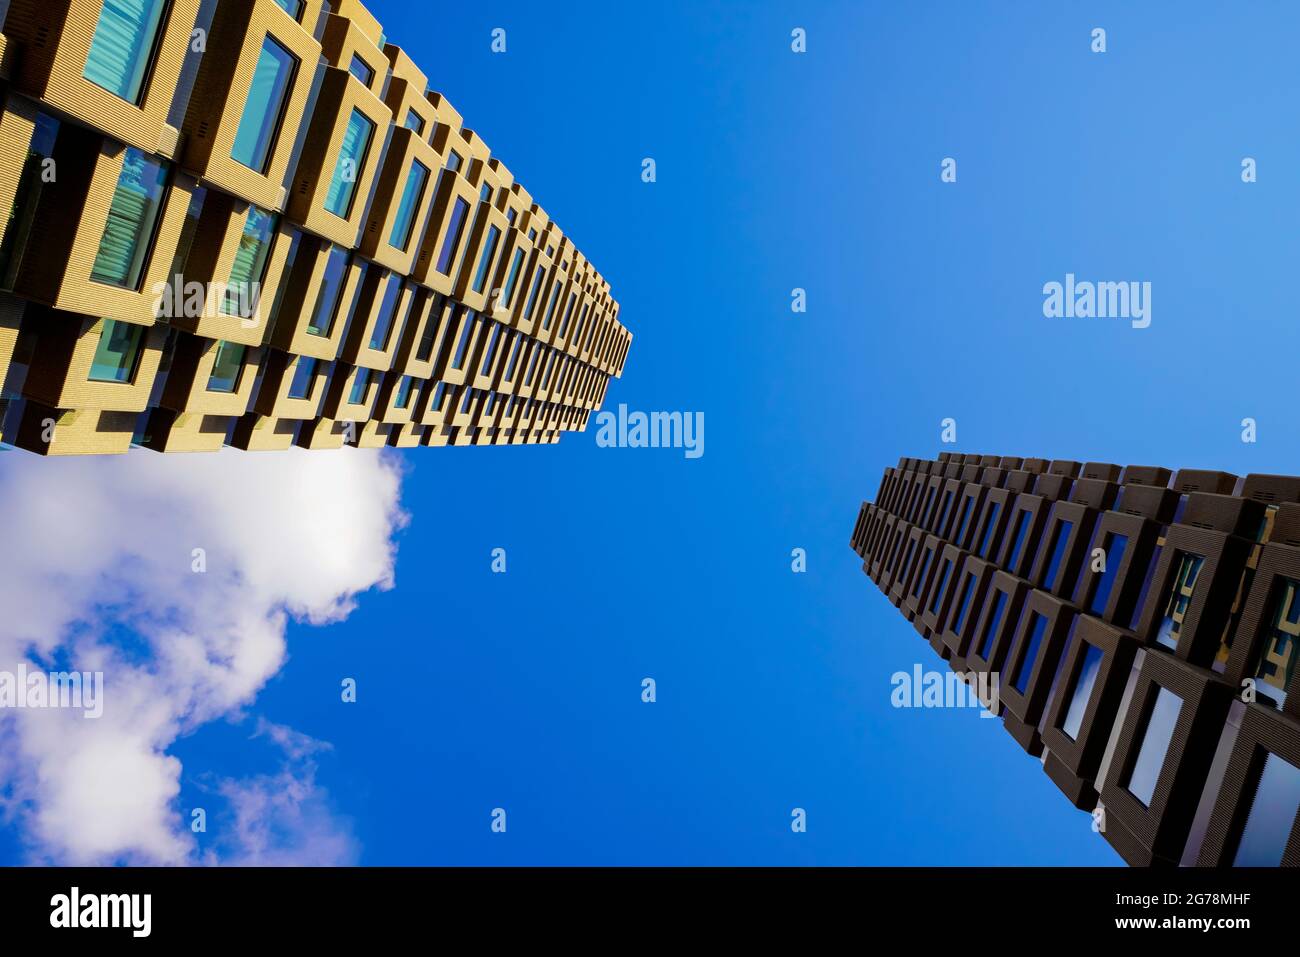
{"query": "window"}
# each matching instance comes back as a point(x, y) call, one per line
point(515, 350)
point(188, 229)
point(403, 392)
point(1277, 653)
point(1112, 556)
point(387, 313)
point(926, 508)
point(920, 575)
point(966, 594)
point(1034, 639)
point(1272, 815)
point(352, 156)
point(1180, 597)
point(118, 352)
point(226, 367)
point(484, 193)
point(1146, 585)
point(550, 310)
point(1018, 540)
point(454, 161)
point(455, 226)
point(513, 276)
point(414, 121)
point(1155, 745)
point(532, 293)
point(489, 250)
point(430, 333)
point(490, 352)
point(510, 216)
point(124, 42)
point(943, 512)
point(132, 215)
point(327, 300)
point(532, 235)
point(362, 70)
point(250, 262)
point(989, 524)
point(303, 374)
point(466, 333)
point(30, 185)
point(939, 586)
point(264, 106)
point(568, 313)
point(967, 505)
point(412, 195)
point(291, 7)
point(360, 383)
point(1060, 539)
point(1082, 691)
point(991, 628)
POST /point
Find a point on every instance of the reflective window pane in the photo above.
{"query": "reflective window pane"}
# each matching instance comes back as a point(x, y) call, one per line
point(1155, 745)
point(264, 106)
point(347, 168)
point(123, 46)
point(118, 352)
point(132, 215)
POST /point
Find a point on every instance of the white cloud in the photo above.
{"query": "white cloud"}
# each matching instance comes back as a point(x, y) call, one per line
point(283, 818)
point(96, 574)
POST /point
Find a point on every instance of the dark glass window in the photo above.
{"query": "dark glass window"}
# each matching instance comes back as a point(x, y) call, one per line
point(466, 334)
point(994, 509)
point(132, 216)
point(403, 392)
point(1033, 640)
point(385, 320)
point(259, 124)
point(1113, 550)
point(226, 367)
point(303, 374)
point(1272, 815)
point(1018, 540)
point(327, 300)
point(455, 227)
point(117, 354)
point(1082, 691)
point(489, 250)
point(991, 627)
point(347, 167)
point(1060, 538)
point(550, 310)
point(920, 575)
point(1277, 652)
point(125, 39)
point(31, 183)
point(244, 288)
point(532, 293)
point(1155, 745)
point(939, 585)
point(1187, 572)
point(362, 70)
point(412, 196)
point(966, 594)
point(360, 383)
point(965, 518)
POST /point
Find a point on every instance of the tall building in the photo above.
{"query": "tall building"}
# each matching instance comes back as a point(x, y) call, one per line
point(251, 222)
point(1140, 629)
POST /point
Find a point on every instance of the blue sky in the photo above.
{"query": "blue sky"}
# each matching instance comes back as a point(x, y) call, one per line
point(779, 170)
